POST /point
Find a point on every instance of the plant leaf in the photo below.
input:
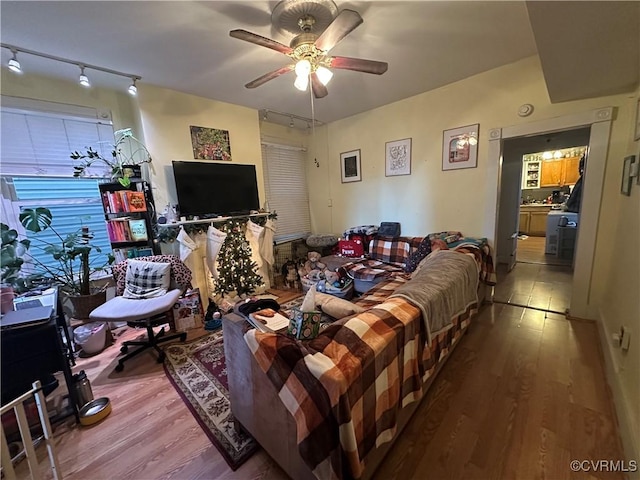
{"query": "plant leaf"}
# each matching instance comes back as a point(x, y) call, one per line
point(36, 219)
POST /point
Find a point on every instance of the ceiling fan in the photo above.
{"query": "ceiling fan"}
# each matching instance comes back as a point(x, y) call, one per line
point(318, 27)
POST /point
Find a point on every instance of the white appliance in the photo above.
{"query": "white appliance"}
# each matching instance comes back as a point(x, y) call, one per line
point(553, 219)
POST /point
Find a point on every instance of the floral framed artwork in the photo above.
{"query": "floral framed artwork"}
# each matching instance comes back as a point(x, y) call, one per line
point(350, 166)
point(397, 158)
point(210, 143)
point(460, 147)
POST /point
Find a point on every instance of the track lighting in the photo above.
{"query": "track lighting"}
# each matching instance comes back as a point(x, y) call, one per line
point(14, 64)
point(291, 124)
point(83, 79)
point(133, 90)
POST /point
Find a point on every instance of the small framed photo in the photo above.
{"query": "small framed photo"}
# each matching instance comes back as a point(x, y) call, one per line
point(350, 166)
point(627, 177)
point(397, 158)
point(460, 147)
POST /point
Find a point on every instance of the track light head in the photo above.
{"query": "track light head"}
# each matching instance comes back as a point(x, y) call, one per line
point(83, 79)
point(291, 124)
point(14, 64)
point(133, 90)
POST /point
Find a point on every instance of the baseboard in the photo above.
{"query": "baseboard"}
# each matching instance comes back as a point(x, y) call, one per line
point(630, 443)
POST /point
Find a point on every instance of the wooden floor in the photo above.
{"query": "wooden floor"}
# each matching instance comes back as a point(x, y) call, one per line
point(522, 395)
point(531, 250)
point(535, 281)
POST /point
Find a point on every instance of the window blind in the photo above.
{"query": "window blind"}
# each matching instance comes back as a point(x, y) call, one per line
point(39, 143)
point(286, 190)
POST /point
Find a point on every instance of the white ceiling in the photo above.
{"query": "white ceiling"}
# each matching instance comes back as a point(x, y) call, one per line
point(586, 48)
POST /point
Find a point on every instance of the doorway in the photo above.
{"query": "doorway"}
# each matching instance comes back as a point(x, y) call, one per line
point(537, 274)
point(581, 302)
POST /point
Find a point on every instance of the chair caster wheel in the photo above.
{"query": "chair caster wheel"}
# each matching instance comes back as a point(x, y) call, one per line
point(119, 367)
point(161, 358)
point(124, 349)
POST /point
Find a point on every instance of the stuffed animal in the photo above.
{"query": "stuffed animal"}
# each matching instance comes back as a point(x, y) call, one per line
point(313, 263)
point(332, 278)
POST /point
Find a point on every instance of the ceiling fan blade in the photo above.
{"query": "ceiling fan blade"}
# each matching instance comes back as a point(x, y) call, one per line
point(259, 40)
point(319, 90)
point(346, 21)
point(359, 65)
point(269, 76)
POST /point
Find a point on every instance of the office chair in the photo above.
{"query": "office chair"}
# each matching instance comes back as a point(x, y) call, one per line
point(135, 304)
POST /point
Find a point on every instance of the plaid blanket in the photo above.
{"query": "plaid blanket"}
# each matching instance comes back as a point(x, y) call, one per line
point(379, 292)
point(346, 387)
point(484, 259)
point(369, 269)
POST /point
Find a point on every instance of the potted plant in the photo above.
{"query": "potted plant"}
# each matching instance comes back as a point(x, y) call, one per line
point(73, 268)
point(128, 155)
point(11, 261)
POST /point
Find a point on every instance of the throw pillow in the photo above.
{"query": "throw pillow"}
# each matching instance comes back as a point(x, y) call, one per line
point(416, 257)
point(146, 279)
point(336, 307)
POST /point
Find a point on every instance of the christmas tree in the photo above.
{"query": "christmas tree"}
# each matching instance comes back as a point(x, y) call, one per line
point(236, 270)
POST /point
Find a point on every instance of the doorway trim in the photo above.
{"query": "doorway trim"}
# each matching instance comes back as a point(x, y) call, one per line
point(582, 303)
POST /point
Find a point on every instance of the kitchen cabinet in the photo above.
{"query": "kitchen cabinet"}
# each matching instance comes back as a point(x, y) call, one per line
point(533, 219)
point(524, 222)
point(559, 172)
point(531, 174)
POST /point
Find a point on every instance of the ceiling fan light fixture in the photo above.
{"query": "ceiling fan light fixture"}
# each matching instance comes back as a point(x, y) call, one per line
point(324, 75)
point(301, 83)
point(303, 68)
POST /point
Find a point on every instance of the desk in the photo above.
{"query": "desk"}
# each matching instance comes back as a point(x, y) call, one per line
point(33, 353)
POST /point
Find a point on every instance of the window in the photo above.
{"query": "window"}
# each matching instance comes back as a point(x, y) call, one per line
point(36, 170)
point(286, 190)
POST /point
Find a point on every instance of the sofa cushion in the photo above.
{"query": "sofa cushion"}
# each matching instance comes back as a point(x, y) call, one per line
point(336, 307)
point(390, 249)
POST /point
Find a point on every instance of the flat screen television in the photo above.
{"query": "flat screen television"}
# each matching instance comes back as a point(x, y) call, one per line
point(207, 189)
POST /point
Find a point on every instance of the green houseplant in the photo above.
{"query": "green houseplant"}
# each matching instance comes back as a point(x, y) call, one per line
point(127, 153)
point(73, 266)
point(11, 261)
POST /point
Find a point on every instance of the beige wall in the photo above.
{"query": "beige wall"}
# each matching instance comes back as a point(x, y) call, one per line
point(620, 301)
point(166, 117)
point(122, 106)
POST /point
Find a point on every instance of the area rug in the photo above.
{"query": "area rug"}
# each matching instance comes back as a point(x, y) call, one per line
point(198, 371)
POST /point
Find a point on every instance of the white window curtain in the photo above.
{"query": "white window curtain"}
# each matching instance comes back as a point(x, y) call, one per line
point(286, 190)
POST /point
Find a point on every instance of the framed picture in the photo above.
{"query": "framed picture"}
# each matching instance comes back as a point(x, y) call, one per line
point(397, 158)
point(350, 166)
point(627, 178)
point(210, 143)
point(636, 135)
point(460, 147)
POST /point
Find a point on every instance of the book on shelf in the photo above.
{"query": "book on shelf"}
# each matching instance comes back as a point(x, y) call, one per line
point(124, 201)
point(138, 230)
point(136, 201)
point(125, 229)
point(121, 254)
